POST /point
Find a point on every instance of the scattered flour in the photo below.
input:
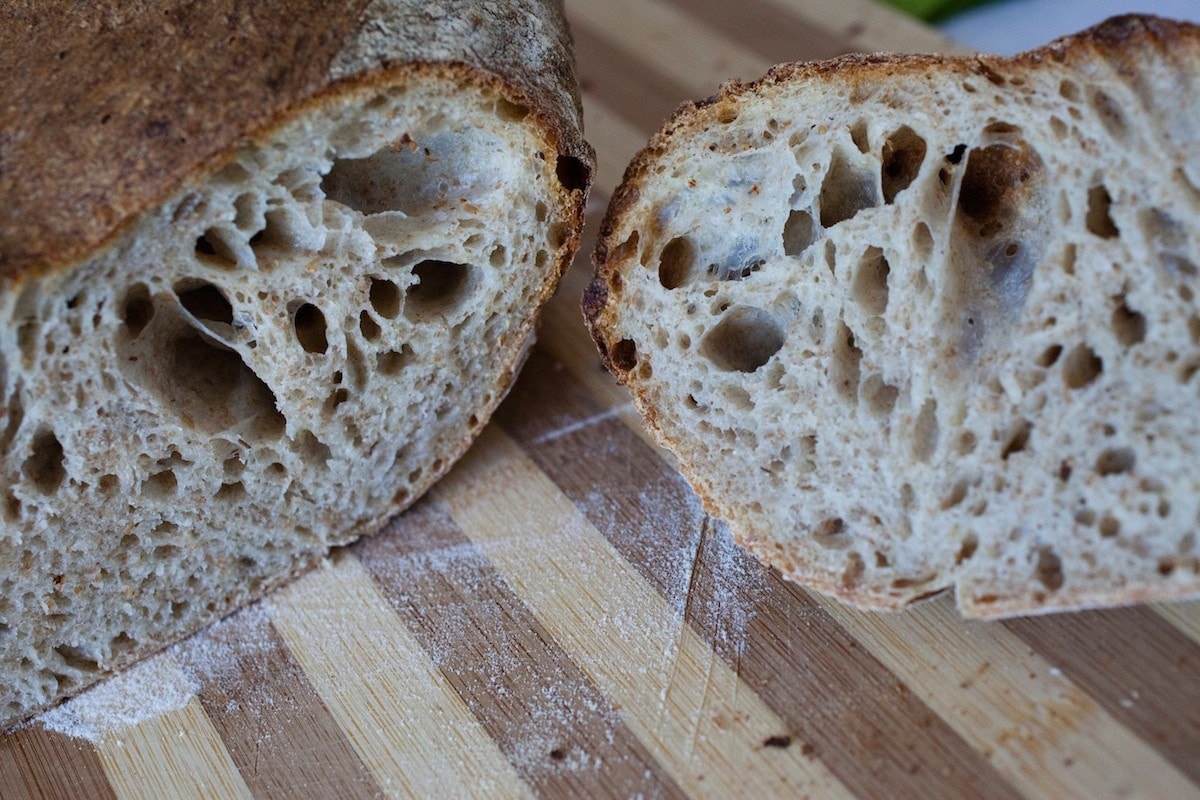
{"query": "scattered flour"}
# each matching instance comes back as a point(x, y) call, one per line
point(165, 682)
point(149, 689)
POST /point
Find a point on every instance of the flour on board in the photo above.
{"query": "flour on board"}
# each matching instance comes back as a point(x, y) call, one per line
point(148, 690)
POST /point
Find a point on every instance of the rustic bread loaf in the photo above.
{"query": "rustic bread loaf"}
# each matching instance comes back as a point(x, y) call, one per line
point(912, 322)
point(265, 271)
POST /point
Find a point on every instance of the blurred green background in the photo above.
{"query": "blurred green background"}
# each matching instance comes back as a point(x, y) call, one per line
point(934, 9)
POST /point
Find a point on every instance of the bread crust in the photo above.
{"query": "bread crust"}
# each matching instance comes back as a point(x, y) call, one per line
point(121, 103)
point(1118, 41)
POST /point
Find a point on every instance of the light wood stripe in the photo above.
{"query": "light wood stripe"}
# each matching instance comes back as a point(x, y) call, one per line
point(279, 734)
point(410, 728)
point(178, 754)
point(802, 672)
point(866, 25)
point(682, 701)
point(626, 81)
point(1136, 665)
point(1184, 616)
point(776, 33)
point(681, 47)
point(1039, 730)
point(557, 729)
point(37, 763)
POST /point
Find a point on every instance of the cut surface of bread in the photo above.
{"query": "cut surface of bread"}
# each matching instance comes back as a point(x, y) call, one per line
point(915, 322)
point(285, 349)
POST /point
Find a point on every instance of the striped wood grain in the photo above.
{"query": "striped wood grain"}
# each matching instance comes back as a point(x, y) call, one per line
point(559, 618)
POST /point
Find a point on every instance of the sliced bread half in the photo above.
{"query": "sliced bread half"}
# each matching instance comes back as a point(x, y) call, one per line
point(265, 271)
point(915, 322)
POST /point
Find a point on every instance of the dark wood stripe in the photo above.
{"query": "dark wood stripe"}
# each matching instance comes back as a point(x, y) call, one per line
point(559, 731)
point(39, 764)
point(768, 30)
point(625, 82)
point(278, 732)
point(837, 700)
point(1138, 666)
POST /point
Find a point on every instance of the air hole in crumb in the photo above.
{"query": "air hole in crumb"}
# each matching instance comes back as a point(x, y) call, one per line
point(210, 385)
point(624, 355)
point(231, 492)
point(1069, 90)
point(1111, 116)
point(441, 286)
point(848, 188)
point(925, 431)
point(385, 298)
point(922, 241)
point(45, 466)
point(797, 232)
point(510, 111)
point(137, 309)
point(958, 493)
point(853, 571)
point(676, 263)
point(572, 173)
point(871, 281)
point(161, 485)
point(392, 362)
point(212, 249)
point(879, 396)
point(831, 534)
point(626, 249)
point(1109, 526)
point(1115, 461)
point(744, 340)
point(1099, 219)
point(1017, 439)
point(858, 135)
point(844, 362)
point(780, 742)
point(1049, 569)
point(204, 301)
point(1049, 356)
point(903, 155)
point(1069, 257)
point(1081, 367)
point(77, 659)
point(310, 329)
point(557, 754)
point(969, 545)
point(368, 326)
point(1129, 326)
point(994, 184)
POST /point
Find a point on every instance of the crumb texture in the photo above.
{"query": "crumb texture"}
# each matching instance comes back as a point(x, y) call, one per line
point(919, 323)
point(267, 364)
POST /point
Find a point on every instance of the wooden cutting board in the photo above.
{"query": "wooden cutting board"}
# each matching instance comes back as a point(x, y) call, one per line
point(559, 618)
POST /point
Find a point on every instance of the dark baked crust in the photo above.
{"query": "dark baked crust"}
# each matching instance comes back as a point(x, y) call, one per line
point(1117, 40)
point(111, 106)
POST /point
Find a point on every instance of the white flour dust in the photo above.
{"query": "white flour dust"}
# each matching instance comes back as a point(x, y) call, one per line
point(162, 684)
point(148, 690)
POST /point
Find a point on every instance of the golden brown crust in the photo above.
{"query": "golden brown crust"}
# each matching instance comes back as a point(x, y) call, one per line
point(121, 103)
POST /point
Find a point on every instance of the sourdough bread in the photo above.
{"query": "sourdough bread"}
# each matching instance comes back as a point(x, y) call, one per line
point(915, 322)
point(265, 271)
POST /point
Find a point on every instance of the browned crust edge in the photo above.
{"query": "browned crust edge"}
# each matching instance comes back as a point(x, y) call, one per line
point(1116, 39)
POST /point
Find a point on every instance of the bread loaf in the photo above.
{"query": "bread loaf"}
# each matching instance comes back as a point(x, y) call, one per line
point(916, 322)
point(265, 271)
